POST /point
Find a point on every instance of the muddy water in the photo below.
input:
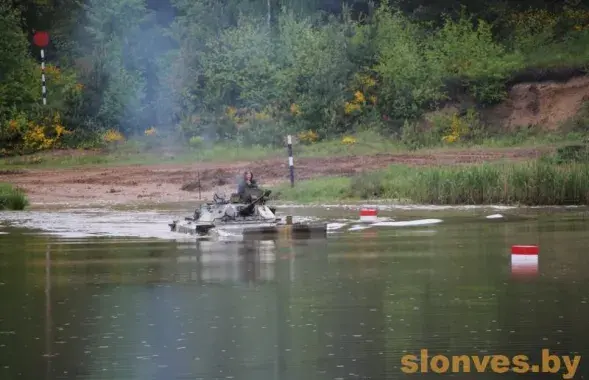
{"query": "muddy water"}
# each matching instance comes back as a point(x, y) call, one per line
point(92, 295)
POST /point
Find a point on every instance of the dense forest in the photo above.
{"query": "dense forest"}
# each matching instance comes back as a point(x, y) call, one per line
point(253, 70)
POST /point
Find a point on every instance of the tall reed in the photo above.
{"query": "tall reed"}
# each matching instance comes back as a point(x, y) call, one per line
point(541, 182)
point(12, 198)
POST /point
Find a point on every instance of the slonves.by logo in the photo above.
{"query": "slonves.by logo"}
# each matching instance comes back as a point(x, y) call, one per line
point(497, 363)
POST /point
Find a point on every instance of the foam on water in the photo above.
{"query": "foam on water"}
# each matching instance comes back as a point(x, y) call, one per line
point(495, 216)
point(335, 226)
point(359, 227)
point(407, 223)
point(226, 234)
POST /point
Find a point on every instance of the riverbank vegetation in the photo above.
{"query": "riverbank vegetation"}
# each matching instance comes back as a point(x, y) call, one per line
point(12, 198)
point(559, 179)
point(208, 76)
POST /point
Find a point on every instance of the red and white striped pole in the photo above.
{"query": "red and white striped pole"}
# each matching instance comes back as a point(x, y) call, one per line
point(41, 39)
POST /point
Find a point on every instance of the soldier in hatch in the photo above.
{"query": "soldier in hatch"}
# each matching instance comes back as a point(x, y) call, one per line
point(248, 182)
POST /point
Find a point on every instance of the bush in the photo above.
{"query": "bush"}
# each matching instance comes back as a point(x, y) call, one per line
point(367, 186)
point(572, 153)
point(444, 128)
point(12, 198)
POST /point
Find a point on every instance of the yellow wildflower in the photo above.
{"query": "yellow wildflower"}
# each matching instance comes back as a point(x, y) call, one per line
point(348, 140)
point(59, 130)
point(261, 116)
point(231, 112)
point(35, 138)
point(450, 138)
point(295, 109)
point(351, 107)
point(113, 136)
point(308, 136)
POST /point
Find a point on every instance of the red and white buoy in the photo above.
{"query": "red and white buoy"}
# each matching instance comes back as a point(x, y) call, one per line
point(524, 259)
point(368, 215)
point(525, 250)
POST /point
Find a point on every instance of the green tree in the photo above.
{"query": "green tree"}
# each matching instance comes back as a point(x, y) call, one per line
point(19, 86)
point(117, 57)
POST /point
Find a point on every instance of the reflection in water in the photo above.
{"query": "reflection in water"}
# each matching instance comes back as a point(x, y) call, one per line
point(249, 261)
point(48, 319)
point(343, 308)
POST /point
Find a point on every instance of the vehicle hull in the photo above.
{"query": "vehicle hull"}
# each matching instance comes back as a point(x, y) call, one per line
point(253, 228)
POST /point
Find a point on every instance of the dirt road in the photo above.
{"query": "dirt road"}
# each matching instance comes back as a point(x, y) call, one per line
point(171, 183)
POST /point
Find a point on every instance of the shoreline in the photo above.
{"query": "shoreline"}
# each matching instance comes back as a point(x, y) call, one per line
point(171, 182)
point(384, 205)
point(336, 213)
point(449, 179)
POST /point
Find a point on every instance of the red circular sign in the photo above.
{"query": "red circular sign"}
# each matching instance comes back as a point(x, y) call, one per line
point(41, 39)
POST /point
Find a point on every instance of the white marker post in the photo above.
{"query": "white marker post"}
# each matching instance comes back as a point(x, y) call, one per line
point(290, 160)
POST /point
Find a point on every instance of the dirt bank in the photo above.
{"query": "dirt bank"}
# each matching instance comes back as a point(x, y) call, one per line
point(171, 183)
point(540, 104)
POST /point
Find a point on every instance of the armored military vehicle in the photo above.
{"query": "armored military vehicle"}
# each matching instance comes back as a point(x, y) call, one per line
point(246, 214)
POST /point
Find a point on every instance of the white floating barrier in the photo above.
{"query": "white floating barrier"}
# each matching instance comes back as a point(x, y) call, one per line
point(408, 223)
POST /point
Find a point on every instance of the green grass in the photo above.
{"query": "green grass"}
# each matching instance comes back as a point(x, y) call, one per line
point(12, 198)
point(541, 182)
point(129, 156)
point(367, 143)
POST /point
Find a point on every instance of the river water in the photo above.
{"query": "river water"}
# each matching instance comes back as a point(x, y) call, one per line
point(98, 294)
